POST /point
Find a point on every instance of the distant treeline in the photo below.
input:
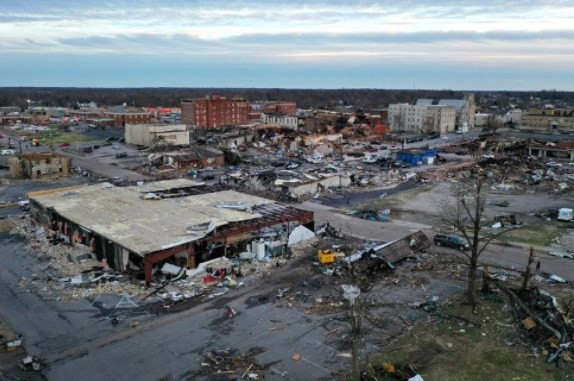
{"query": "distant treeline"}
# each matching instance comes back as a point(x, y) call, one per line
point(170, 97)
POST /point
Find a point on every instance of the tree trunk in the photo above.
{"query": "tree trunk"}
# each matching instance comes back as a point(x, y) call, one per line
point(471, 294)
point(526, 278)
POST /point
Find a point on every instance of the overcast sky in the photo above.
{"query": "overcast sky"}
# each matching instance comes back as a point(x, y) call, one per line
point(455, 44)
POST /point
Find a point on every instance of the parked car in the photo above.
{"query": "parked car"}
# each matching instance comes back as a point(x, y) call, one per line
point(8, 152)
point(208, 176)
point(451, 240)
point(370, 159)
point(553, 164)
point(292, 165)
point(278, 164)
point(488, 156)
point(115, 147)
point(121, 155)
point(87, 150)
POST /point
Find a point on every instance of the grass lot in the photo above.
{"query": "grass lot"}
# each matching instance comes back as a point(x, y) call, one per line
point(6, 226)
point(57, 138)
point(538, 234)
point(396, 200)
point(442, 351)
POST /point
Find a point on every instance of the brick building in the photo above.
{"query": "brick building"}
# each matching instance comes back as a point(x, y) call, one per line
point(127, 117)
point(280, 108)
point(36, 165)
point(214, 111)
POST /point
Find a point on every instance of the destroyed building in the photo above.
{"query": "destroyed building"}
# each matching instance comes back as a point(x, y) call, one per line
point(138, 228)
point(559, 150)
point(150, 134)
point(36, 165)
point(197, 157)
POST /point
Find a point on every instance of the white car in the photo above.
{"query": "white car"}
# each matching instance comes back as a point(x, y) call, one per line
point(8, 152)
point(370, 159)
point(488, 156)
point(292, 165)
point(553, 164)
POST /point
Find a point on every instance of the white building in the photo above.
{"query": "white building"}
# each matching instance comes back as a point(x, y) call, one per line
point(150, 134)
point(513, 116)
point(285, 121)
point(422, 118)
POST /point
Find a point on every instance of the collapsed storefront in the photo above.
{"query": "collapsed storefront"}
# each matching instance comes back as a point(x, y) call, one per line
point(137, 228)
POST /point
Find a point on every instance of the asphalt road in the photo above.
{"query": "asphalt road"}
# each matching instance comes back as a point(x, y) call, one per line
point(77, 338)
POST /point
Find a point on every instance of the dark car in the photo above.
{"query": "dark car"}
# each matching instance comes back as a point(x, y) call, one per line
point(87, 150)
point(208, 175)
point(121, 155)
point(278, 164)
point(451, 240)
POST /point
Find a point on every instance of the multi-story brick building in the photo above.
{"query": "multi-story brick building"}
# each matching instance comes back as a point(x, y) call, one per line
point(280, 108)
point(122, 115)
point(214, 111)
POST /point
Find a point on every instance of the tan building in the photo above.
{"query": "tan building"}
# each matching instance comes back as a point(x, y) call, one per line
point(150, 134)
point(548, 118)
point(36, 165)
point(439, 119)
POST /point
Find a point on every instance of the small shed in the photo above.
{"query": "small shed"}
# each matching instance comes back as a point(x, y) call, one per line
point(416, 157)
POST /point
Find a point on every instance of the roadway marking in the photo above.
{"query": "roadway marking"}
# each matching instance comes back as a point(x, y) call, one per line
point(315, 364)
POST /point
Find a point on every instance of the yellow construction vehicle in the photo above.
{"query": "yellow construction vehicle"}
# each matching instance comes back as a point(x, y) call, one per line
point(328, 256)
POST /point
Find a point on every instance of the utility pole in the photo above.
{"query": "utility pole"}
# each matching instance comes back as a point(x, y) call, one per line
point(351, 293)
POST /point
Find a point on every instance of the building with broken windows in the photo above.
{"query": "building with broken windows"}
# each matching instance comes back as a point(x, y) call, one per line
point(36, 165)
point(181, 222)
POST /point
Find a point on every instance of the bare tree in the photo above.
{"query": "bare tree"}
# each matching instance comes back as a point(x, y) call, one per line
point(492, 124)
point(465, 214)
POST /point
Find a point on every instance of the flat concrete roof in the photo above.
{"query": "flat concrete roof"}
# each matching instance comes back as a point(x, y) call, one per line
point(122, 215)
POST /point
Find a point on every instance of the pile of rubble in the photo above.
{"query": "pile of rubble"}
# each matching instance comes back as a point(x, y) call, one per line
point(219, 276)
point(227, 362)
point(546, 322)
